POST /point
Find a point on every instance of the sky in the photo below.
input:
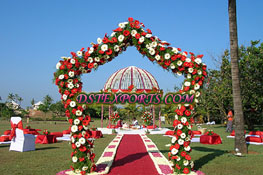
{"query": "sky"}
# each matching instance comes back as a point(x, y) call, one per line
point(35, 34)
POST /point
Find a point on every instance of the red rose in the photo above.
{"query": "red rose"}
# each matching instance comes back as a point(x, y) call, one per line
point(177, 166)
point(82, 148)
point(162, 49)
point(137, 36)
point(143, 33)
point(177, 146)
point(176, 122)
point(74, 111)
point(90, 65)
point(187, 113)
point(73, 146)
point(101, 52)
point(83, 172)
point(174, 57)
point(69, 66)
point(130, 19)
point(118, 30)
point(187, 157)
point(149, 31)
point(70, 121)
point(136, 22)
point(109, 52)
point(200, 83)
point(204, 73)
point(179, 132)
point(81, 159)
point(114, 40)
point(126, 32)
point(186, 170)
point(182, 108)
point(186, 144)
point(80, 127)
point(186, 88)
point(174, 157)
point(183, 153)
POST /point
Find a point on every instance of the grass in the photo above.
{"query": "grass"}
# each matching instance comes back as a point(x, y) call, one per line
point(52, 158)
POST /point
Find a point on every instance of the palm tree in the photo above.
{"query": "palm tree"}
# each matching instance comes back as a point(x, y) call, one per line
point(240, 142)
point(11, 97)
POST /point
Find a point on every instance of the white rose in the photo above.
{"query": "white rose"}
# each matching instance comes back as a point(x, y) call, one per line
point(113, 34)
point(74, 128)
point(157, 57)
point(84, 107)
point(179, 73)
point(189, 126)
point(74, 159)
point(90, 59)
point(77, 144)
point(178, 159)
point(174, 151)
point(180, 126)
point(99, 40)
point(148, 35)
point(104, 47)
point(189, 76)
point(179, 63)
point(70, 86)
point(197, 94)
point(76, 121)
point(188, 60)
point(183, 135)
point(61, 77)
point(78, 113)
point(82, 140)
point(121, 38)
point(95, 65)
point(83, 133)
point(180, 142)
point(176, 117)
point(175, 50)
point(186, 162)
point(116, 48)
point(121, 25)
point(133, 32)
point(79, 53)
point(172, 66)
point(196, 100)
point(85, 168)
point(187, 148)
point(141, 39)
point(199, 72)
point(152, 51)
point(64, 97)
point(187, 83)
point(186, 104)
point(190, 70)
point(198, 60)
point(72, 104)
point(58, 65)
point(192, 91)
point(97, 59)
point(184, 54)
point(77, 85)
point(154, 44)
point(192, 164)
point(196, 86)
point(85, 127)
point(174, 139)
point(187, 138)
point(91, 50)
point(77, 171)
point(167, 56)
point(72, 139)
point(183, 120)
point(71, 74)
point(72, 61)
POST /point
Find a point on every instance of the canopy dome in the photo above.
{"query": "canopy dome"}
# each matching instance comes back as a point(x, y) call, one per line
point(131, 78)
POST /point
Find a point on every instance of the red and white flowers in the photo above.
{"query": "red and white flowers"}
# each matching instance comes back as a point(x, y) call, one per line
point(131, 33)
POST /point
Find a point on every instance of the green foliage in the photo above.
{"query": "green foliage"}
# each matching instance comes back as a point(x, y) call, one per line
point(5, 112)
point(58, 109)
point(217, 93)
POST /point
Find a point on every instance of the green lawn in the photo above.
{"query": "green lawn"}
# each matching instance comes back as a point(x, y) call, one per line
point(52, 158)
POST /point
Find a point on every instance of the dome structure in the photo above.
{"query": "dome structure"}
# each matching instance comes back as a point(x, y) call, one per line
point(131, 79)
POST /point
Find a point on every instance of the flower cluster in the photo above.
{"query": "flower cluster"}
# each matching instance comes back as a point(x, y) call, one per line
point(209, 132)
point(130, 33)
point(46, 132)
point(147, 118)
point(114, 117)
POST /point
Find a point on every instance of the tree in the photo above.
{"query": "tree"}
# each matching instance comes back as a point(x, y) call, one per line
point(58, 109)
point(45, 107)
point(32, 101)
point(10, 97)
point(240, 142)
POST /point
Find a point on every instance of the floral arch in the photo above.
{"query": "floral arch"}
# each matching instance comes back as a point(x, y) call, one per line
point(131, 33)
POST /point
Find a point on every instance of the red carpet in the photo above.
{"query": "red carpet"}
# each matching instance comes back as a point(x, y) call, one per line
point(132, 158)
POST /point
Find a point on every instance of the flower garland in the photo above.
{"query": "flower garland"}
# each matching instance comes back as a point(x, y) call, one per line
point(130, 33)
point(114, 117)
point(147, 118)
